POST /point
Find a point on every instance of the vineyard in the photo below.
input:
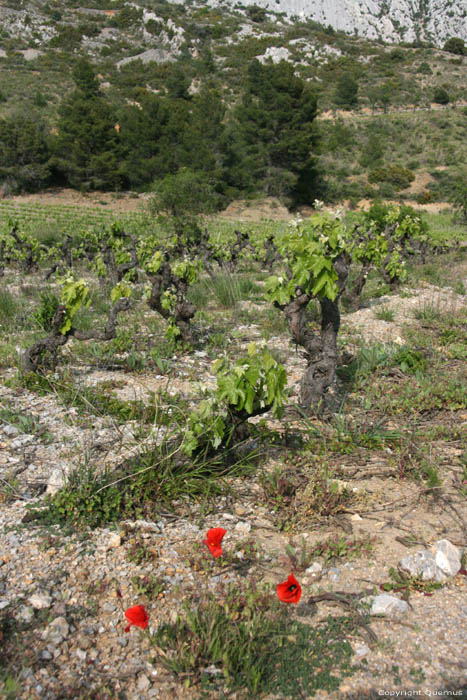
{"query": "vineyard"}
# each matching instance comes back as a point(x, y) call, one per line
point(302, 383)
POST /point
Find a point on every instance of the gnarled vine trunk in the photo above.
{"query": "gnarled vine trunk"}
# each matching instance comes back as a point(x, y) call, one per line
point(184, 310)
point(321, 348)
point(36, 356)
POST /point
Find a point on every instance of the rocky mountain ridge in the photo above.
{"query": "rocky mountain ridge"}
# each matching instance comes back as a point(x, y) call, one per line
point(392, 21)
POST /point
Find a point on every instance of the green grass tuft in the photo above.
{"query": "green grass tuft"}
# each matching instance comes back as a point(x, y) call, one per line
point(253, 644)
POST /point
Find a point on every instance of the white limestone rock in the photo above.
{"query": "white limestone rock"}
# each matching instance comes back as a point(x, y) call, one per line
point(447, 558)
point(422, 565)
point(40, 601)
point(386, 604)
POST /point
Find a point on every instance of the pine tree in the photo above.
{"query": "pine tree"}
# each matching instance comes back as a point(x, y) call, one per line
point(24, 153)
point(87, 146)
point(272, 139)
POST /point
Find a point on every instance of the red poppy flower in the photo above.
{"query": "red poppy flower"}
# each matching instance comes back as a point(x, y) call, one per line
point(213, 540)
point(137, 616)
point(289, 591)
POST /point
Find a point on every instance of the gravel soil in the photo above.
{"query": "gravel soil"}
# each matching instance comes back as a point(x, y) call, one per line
point(67, 590)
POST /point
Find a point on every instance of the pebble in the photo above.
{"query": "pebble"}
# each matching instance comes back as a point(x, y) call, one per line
point(114, 540)
point(243, 528)
point(10, 430)
point(421, 564)
point(143, 683)
point(57, 631)
point(334, 573)
point(25, 614)
point(21, 441)
point(40, 601)
point(361, 649)
point(385, 604)
point(315, 568)
point(109, 607)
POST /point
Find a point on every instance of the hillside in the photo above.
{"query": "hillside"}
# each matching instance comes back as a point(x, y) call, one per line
point(143, 49)
point(136, 43)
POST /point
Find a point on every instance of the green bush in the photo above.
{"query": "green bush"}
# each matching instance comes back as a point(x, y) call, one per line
point(396, 175)
point(256, 14)
point(455, 45)
point(424, 68)
point(127, 16)
point(68, 37)
point(441, 96)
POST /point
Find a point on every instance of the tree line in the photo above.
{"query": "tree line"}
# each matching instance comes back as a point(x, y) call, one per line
point(263, 144)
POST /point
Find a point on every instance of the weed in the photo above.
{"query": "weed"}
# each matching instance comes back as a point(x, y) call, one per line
point(247, 641)
point(218, 341)
point(272, 322)
point(460, 479)
point(139, 551)
point(351, 434)
point(332, 548)
point(366, 362)
point(459, 288)
point(8, 307)
point(227, 290)
point(412, 461)
point(9, 486)
point(401, 581)
point(148, 586)
point(409, 361)
point(9, 687)
point(163, 364)
point(198, 294)
point(135, 361)
point(278, 486)
point(437, 391)
point(44, 315)
point(397, 679)
point(417, 675)
point(25, 423)
point(428, 313)
point(384, 314)
point(322, 496)
point(94, 498)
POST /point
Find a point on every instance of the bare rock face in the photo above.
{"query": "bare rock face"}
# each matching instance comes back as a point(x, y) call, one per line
point(392, 21)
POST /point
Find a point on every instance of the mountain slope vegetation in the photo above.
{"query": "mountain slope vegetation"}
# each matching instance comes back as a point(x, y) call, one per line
point(172, 80)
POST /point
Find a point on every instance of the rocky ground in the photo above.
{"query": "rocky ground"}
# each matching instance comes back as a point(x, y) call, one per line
point(66, 589)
